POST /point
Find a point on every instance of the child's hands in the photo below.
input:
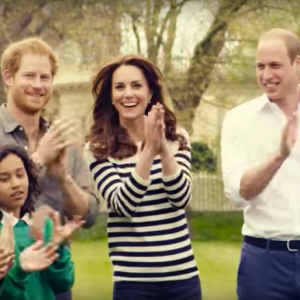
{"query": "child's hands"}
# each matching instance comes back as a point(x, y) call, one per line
point(60, 233)
point(63, 233)
point(7, 240)
point(38, 257)
point(6, 261)
point(38, 221)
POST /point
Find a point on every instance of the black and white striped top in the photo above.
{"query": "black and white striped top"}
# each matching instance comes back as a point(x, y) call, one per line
point(147, 228)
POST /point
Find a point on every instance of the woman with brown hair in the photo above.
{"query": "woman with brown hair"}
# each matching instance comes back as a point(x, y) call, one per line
point(140, 162)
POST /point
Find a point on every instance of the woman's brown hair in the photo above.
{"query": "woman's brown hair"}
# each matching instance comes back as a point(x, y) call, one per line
point(107, 136)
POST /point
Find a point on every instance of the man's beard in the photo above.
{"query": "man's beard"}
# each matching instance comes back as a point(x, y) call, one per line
point(20, 101)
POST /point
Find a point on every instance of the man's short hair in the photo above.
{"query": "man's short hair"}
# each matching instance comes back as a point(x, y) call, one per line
point(12, 55)
point(290, 39)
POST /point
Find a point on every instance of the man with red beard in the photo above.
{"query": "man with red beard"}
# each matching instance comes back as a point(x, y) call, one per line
point(261, 172)
point(28, 68)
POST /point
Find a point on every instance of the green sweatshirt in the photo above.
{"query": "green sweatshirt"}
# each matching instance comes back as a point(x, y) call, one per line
point(20, 285)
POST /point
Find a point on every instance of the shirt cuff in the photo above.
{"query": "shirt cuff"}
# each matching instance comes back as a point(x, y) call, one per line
point(232, 190)
point(172, 177)
point(93, 211)
point(140, 180)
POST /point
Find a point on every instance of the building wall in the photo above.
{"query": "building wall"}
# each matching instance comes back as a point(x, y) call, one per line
point(213, 107)
point(72, 97)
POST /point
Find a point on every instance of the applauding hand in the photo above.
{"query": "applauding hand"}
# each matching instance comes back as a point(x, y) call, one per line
point(7, 241)
point(60, 135)
point(289, 136)
point(63, 233)
point(58, 168)
point(38, 221)
point(60, 233)
point(154, 129)
point(160, 115)
point(6, 261)
point(38, 257)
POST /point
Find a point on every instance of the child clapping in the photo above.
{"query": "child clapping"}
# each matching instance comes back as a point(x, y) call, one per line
point(29, 269)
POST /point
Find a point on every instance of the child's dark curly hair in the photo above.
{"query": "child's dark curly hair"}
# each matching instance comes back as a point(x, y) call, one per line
point(32, 173)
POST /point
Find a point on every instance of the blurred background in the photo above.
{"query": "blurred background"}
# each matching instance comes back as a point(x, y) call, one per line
point(206, 51)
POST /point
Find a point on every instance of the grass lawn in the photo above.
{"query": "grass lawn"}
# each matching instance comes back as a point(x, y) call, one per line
point(217, 263)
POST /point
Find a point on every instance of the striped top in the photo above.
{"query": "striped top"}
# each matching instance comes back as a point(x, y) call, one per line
point(147, 228)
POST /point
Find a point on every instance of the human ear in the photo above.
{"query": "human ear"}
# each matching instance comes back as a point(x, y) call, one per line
point(7, 77)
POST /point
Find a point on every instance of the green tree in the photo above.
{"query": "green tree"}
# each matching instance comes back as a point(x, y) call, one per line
point(203, 158)
point(94, 25)
point(216, 54)
point(218, 57)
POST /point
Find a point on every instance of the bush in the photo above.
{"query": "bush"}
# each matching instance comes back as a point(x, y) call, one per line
point(203, 158)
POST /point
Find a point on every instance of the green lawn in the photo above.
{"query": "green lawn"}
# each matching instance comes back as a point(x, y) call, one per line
point(217, 263)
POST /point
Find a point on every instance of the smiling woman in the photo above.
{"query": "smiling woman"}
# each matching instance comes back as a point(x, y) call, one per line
point(130, 93)
point(140, 162)
point(125, 89)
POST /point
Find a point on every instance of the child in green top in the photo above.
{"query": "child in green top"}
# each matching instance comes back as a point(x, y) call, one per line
point(37, 269)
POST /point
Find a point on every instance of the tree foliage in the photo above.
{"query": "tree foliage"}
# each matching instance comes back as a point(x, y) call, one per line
point(96, 26)
point(203, 158)
point(158, 22)
point(91, 24)
point(216, 55)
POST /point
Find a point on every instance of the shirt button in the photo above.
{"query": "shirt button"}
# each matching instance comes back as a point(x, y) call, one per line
point(26, 148)
point(21, 128)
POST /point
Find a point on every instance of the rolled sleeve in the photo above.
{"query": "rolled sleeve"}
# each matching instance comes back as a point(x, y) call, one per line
point(91, 217)
point(232, 183)
point(233, 159)
point(82, 176)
